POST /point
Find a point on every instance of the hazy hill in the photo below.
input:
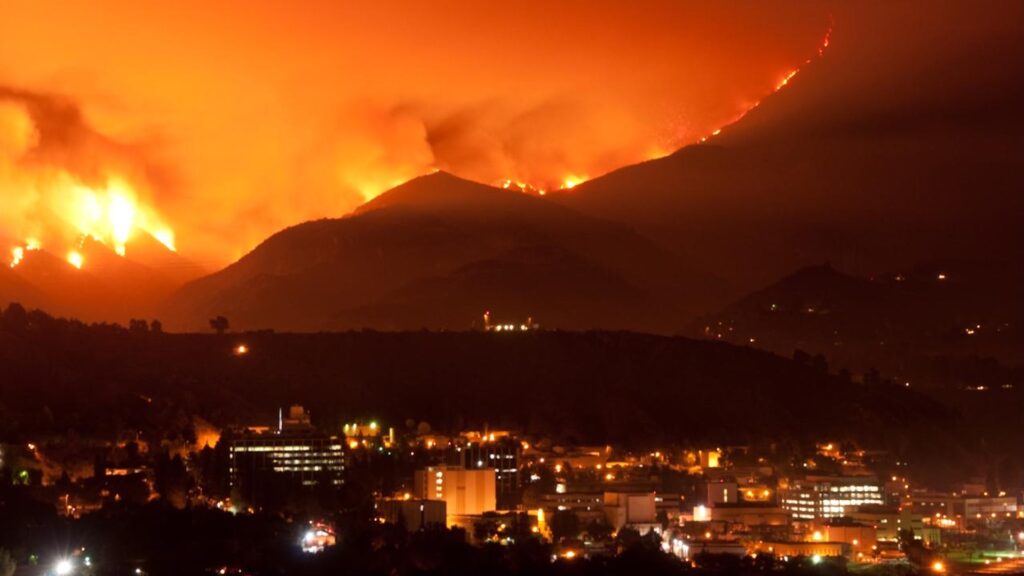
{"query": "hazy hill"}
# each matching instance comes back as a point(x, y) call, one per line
point(901, 323)
point(108, 287)
point(14, 288)
point(901, 145)
point(438, 251)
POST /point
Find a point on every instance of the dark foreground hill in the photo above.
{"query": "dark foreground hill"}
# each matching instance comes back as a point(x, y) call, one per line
point(591, 387)
point(945, 324)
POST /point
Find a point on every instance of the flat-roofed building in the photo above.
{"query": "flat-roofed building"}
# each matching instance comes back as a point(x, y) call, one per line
point(961, 510)
point(466, 492)
point(636, 510)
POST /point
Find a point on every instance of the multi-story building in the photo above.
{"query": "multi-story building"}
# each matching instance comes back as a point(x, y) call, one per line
point(829, 496)
point(268, 465)
point(466, 492)
point(961, 509)
point(888, 521)
point(499, 453)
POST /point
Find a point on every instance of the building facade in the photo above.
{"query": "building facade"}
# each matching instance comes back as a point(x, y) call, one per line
point(829, 496)
point(466, 492)
point(268, 466)
point(499, 454)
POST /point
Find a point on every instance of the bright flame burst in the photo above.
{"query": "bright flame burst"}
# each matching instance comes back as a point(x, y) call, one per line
point(111, 215)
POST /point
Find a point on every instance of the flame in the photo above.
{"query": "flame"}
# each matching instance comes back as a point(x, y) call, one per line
point(112, 215)
point(18, 252)
point(782, 83)
point(61, 206)
point(17, 255)
point(571, 182)
point(76, 259)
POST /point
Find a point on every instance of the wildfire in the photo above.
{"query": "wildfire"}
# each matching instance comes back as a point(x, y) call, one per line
point(571, 181)
point(782, 83)
point(18, 252)
point(112, 214)
point(76, 259)
point(17, 255)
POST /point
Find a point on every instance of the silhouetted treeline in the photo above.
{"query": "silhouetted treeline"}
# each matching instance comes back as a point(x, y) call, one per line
point(627, 389)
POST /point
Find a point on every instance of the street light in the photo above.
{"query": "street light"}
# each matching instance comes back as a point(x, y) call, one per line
point(63, 567)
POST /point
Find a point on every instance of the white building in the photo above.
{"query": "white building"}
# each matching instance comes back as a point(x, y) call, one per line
point(466, 492)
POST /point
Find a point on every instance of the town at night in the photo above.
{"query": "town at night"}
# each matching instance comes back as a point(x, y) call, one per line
point(566, 288)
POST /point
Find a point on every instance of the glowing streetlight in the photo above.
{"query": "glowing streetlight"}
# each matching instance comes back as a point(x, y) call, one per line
point(63, 567)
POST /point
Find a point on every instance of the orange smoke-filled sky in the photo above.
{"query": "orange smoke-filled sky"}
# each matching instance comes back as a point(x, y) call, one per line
point(243, 117)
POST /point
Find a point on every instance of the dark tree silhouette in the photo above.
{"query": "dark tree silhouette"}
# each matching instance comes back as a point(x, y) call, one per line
point(220, 324)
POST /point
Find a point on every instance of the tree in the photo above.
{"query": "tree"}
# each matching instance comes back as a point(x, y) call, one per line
point(135, 325)
point(599, 530)
point(564, 525)
point(15, 318)
point(220, 324)
point(7, 564)
point(156, 327)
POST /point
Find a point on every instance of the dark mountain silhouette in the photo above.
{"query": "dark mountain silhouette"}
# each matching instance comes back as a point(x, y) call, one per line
point(438, 251)
point(543, 282)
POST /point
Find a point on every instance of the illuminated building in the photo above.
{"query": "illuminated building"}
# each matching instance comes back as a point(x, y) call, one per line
point(710, 458)
point(963, 509)
point(266, 463)
point(490, 326)
point(414, 513)
point(829, 496)
point(466, 492)
point(722, 492)
point(861, 538)
point(888, 521)
point(809, 549)
point(635, 510)
point(500, 453)
point(368, 435)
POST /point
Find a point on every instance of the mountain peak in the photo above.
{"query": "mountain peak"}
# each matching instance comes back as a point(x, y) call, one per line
point(445, 190)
